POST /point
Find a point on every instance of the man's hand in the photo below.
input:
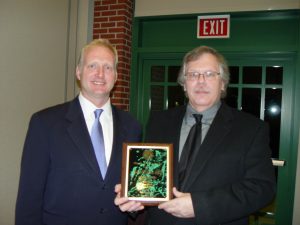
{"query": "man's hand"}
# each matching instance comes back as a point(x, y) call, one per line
point(124, 204)
point(181, 206)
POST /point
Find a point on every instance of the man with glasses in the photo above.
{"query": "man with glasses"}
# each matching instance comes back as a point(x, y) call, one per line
point(222, 166)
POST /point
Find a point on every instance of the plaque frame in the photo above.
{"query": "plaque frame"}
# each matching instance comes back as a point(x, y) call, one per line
point(147, 172)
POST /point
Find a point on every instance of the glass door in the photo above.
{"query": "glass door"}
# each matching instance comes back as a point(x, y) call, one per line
point(264, 88)
point(160, 88)
point(261, 85)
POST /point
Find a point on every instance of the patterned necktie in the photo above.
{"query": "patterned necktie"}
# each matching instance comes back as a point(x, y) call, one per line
point(98, 142)
point(190, 147)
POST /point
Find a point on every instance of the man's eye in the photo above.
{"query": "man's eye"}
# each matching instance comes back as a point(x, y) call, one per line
point(108, 67)
point(92, 66)
point(208, 73)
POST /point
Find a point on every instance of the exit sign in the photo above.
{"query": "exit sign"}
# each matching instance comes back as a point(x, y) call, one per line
point(213, 26)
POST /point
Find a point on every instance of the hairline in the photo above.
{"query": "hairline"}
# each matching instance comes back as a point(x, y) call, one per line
point(98, 43)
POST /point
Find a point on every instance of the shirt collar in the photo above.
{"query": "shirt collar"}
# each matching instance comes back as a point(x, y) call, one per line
point(208, 114)
point(88, 107)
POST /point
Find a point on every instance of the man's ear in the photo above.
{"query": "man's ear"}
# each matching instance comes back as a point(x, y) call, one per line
point(77, 73)
point(116, 77)
point(223, 86)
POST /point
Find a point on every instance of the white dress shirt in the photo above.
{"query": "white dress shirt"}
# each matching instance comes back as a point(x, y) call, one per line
point(106, 120)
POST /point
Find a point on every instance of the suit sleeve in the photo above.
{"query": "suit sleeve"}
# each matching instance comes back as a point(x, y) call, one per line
point(34, 169)
point(238, 199)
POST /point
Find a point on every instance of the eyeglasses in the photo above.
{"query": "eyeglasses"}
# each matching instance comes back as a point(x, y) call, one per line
point(207, 75)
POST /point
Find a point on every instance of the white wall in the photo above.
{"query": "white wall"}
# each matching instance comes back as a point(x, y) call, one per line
point(39, 45)
point(172, 7)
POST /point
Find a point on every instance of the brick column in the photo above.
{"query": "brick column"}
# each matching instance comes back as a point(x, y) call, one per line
point(113, 21)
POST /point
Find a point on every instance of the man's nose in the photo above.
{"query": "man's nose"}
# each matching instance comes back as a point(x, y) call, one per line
point(100, 71)
point(201, 78)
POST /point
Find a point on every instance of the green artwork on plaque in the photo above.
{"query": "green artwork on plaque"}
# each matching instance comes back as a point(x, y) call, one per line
point(147, 173)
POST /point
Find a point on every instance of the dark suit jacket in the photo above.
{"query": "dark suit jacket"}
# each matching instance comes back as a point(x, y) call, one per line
point(60, 181)
point(232, 175)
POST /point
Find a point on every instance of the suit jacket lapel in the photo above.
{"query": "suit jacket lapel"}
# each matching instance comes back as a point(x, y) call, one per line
point(218, 130)
point(176, 119)
point(118, 136)
point(78, 132)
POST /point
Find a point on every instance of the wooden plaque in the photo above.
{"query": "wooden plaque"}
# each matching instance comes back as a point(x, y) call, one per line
point(147, 172)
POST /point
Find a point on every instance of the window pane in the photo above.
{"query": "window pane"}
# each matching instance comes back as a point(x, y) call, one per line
point(176, 96)
point(173, 73)
point(157, 73)
point(232, 97)
point(252, 74)
point(273, 117)
point(274, 75)
point(157, 98)
point(251, 101)
point(234, 74)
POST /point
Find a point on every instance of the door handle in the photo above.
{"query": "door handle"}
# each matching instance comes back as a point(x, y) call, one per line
point(278, 162)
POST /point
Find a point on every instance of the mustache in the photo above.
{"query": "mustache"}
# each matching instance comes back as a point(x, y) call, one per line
point(200, 89)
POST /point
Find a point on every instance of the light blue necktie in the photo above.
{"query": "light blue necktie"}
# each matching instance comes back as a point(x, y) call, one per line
point(98, 142)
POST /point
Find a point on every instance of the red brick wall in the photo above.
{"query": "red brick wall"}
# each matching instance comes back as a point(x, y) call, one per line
point(113, 21)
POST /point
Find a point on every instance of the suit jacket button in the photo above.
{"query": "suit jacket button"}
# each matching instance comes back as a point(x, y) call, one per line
point(101, 211)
